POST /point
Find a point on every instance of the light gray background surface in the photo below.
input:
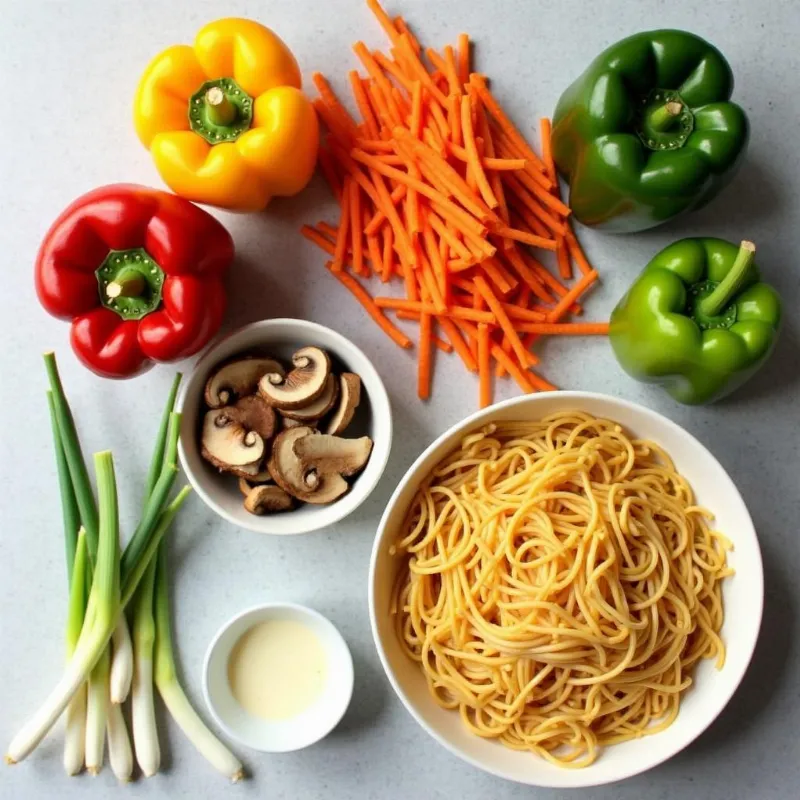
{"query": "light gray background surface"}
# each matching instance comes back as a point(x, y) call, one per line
point(67, 74)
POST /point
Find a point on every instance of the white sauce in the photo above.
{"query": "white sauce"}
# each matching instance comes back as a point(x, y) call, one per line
point(277, 669)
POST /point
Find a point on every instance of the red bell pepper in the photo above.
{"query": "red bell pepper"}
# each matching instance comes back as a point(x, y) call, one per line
point(139, 273)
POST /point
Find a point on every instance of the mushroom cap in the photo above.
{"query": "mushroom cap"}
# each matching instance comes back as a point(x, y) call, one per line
point(349, 399)
point(318, 408)
point(267, 499)
point(255, 415)
point(238, 378)
point(304, 384)
point(226, 443)
point(333, 454)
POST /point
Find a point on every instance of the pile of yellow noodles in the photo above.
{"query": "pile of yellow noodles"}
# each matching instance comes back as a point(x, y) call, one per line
point(560, 585)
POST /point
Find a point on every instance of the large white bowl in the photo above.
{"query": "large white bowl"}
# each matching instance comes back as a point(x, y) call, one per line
point(280, 338)
point(743, 599)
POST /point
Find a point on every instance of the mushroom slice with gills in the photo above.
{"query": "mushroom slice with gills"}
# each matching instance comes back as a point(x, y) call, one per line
point(238, 378)
point(318, 408)
point(250, 482)
point(267, 499)
point(349, 398)
point(226, 443)
point(304, 384)
point(288, 422)
point(255, 415)
point(333, 454)
point(285, 467)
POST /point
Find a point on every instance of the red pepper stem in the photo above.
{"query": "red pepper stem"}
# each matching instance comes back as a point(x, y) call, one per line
point(220, 110)
point(129, 283)
point(664, 117)
point(731, 284)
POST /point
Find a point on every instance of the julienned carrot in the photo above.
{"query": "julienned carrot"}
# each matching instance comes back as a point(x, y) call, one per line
point(473, 157)
point(564, 328)
point(484, 367)
point(438, 188)
point(464, 68)
point(363, 297)
point(424, 361)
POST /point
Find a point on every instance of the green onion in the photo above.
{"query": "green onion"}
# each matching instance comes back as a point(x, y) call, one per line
point(145, 731)
point(157, 461)
point(101, 617)
point(171, 691)
point(73, 454)
point(76, 710)
point(97, 714)
point(69, 505)
point(120, 754)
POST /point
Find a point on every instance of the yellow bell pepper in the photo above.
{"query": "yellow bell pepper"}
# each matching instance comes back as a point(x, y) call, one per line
point(225, 120)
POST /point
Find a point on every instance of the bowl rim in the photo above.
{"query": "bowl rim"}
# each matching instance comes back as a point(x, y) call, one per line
point(347, 681)
point(334, 515)
point(580, 778)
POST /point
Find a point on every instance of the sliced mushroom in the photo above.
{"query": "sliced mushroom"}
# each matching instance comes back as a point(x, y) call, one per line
point(255, 415)
point(267, 500)
point(333, 454)
point(237, 379)
point(226, 443)
point(318, 408)
point(349, 398)
point(248, 483)
point(285, 467)
point(304, 384)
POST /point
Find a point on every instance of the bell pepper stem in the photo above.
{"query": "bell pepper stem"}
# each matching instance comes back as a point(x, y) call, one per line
point(220, 110)
point(664, 117)
point(129, 283)
point(731, 284)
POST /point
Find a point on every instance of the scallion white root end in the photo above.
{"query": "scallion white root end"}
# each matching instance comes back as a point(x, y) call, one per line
point(75, 733)
point(120, 754)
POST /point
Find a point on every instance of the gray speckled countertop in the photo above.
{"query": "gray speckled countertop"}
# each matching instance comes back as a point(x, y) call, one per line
point(53, 54)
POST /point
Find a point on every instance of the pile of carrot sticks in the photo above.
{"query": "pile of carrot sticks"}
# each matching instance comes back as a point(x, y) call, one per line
point(440, 191)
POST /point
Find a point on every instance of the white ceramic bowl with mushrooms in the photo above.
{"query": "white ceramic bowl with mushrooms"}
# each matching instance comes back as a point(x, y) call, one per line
point(286, 427)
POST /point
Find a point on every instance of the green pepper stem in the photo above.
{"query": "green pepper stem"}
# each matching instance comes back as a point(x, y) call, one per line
point(731, 284)
point(129, 283)
point(220, 110)
point(664, 117)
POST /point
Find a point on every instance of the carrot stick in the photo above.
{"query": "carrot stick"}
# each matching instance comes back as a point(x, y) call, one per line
point(431, 285)
point(499, 275)
point(398, 193)
point(456, 312)
point(500, 164)
point(573, 294)
point(391, 67)
point(383, 18)
point(563, 259)
point(388, 254)
point(484, 373)
point(545, 133)
point(564, 328)
point(526, 238)
point(363, 104)
point(528, 275)
point(332, 102)
point(502, 318)
point(576, 251)
point(332, 121)
point(424, 360)
point(509, 149)
point(355, 228)
point(473, 157)
point(531, 203)
point(383, 85)
point(454, 120)
point(402, 28)
point(435, 260)
point(495, 180)
point(451, 70)
point(344, 225)
point(415, 125)
point(447, 234)
point(463, 58)
point(363, 297)
point(374, 248)
point(402, 239)
point(459, 345)
point(419, 70)
point(544, 195)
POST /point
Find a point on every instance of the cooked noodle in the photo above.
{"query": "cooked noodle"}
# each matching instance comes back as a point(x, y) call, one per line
point(559, 585)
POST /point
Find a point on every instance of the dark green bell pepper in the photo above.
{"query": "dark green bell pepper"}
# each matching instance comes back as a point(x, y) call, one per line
point(697, 321)
point(648, 132)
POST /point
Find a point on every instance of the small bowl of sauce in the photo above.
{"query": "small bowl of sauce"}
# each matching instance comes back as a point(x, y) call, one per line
point(278, 677)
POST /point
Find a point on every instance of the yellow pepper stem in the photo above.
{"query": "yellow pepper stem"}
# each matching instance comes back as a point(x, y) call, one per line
point(220, 110)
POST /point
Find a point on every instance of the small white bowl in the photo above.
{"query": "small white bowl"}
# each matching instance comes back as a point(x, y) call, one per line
point(280, 338)
point(279, 736)
point(743, 596)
